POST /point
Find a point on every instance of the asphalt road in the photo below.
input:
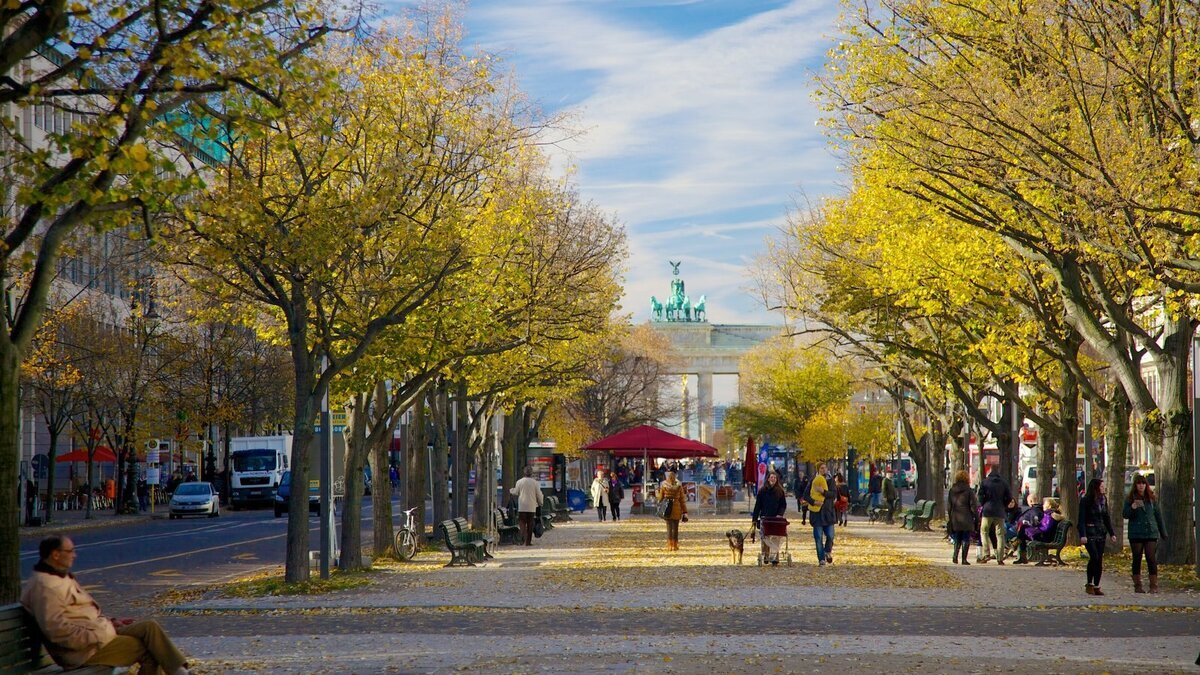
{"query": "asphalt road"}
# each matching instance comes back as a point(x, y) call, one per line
point(125, 565)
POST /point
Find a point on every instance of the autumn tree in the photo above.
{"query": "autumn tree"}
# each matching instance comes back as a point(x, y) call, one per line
point(786, 385)
point(112, 73)
point(1069, 144)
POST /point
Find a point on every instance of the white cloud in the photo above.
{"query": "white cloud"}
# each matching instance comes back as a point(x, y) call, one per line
point(681, 128)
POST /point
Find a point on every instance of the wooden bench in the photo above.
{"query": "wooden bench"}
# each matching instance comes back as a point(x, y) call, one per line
point(1040, 550)
point(921, 507)
point(462, 552)
point(920, 521)
point(22, 650)
point(509, 533)
point(558, 512)
point(547, 512)
point(465, 533)
point(878, 513)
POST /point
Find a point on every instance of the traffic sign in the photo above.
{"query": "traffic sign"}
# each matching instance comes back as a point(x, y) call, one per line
point(41, 466)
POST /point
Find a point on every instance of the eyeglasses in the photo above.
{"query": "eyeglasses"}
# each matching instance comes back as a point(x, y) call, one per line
point(67, 550)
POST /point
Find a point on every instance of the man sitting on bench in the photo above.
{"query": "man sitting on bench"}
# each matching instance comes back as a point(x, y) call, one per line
point(77, 634)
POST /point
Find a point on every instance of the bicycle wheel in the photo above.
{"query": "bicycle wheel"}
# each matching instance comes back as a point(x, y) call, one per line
point(406, 544)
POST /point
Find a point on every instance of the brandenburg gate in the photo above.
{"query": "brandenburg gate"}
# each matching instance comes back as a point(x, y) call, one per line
point(701, 348)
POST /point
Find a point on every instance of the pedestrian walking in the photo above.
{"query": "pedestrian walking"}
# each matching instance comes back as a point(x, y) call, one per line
point(672, 489)
point(1095, 527)
point(889, 496)
point(961, 507)
point(994, 497)
point(821, 514)
point(874, 487)
point(529, 500)
point(600, 494)
point(842, 505)
point(615, 494)
point(1145, 529)
point(770, 503)
point(801, 495)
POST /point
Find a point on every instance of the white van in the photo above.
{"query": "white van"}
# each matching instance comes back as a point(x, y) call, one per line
point(1029, 479)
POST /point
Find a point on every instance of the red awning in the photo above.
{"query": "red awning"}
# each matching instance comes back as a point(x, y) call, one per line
point(648, 440)
point(103, 454)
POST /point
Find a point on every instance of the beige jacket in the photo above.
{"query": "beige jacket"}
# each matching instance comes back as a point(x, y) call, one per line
point(528, 494)
point(68, 616)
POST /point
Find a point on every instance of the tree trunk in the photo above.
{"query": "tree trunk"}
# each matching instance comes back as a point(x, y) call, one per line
point(1067, 432)
point(51, 458)
point(10, 411)
point(1045, 464)
point(356, 454)
point(1117, 444)
point(418, 463)
point(438, 413)
point(462, 453)
point(306, 407)
point(1173, 460)
point(1173, 468)
point(509, 470)
point(381, 492)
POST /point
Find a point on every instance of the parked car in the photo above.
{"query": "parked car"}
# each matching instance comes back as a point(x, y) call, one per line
point(195, 499)
point(285, 491)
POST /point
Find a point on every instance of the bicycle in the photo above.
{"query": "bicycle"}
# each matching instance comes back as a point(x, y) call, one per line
point(405, 544)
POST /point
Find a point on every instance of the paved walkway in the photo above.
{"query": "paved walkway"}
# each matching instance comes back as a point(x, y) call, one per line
point(604, 597)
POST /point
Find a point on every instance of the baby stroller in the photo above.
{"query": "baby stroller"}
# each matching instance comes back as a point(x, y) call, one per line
point(774, 526)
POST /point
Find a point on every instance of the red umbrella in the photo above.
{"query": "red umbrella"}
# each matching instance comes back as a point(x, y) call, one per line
point(750, 468)
point(103, 454)
point(638, 441)
point(646, 440)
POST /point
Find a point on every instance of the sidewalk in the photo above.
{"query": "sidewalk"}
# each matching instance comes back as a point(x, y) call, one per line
point(619, 569)
point(73, 521)
point(563, 568)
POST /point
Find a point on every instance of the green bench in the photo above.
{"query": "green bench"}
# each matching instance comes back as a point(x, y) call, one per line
point(559, 512)
point(508, 532)
point(878, 513)
point(1040, 550)
point(914, 510)
point(22, 650)
point(920, 521)
point(463, 551)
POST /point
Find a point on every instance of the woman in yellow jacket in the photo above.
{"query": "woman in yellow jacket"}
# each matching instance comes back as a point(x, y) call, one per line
point(673, 490)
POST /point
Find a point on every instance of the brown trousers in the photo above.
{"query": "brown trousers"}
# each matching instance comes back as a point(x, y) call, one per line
point(142, 642)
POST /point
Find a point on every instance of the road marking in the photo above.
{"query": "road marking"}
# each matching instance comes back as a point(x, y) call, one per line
point(245, 556)
point(180, 555)
point(166, 573)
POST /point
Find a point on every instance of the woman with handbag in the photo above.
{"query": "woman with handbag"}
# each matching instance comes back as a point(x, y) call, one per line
point(1095, 527)
point(600, 494)
point(672, 507)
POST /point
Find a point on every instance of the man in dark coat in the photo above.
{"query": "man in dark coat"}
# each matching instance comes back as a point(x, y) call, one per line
point(994, 498)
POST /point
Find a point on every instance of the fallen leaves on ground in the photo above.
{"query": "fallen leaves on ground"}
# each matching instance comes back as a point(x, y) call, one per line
point(633, 555)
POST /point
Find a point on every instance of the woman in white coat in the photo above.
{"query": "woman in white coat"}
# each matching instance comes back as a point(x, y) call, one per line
point(600, 494)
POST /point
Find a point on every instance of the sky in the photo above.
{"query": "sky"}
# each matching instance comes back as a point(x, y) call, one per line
point(700, 129)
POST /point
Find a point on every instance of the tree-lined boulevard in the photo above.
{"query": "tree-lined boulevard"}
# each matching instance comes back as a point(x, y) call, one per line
point(227, 219)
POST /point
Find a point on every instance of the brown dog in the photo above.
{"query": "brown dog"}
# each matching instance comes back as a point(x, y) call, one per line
point(737, 544)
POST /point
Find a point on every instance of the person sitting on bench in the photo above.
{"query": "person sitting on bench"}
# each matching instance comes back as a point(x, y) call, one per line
point(77, 633)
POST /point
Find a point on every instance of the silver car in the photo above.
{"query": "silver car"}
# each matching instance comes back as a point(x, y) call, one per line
point(195, 499)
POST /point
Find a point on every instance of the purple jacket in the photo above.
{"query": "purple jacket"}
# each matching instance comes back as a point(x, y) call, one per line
point(1043, 531)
